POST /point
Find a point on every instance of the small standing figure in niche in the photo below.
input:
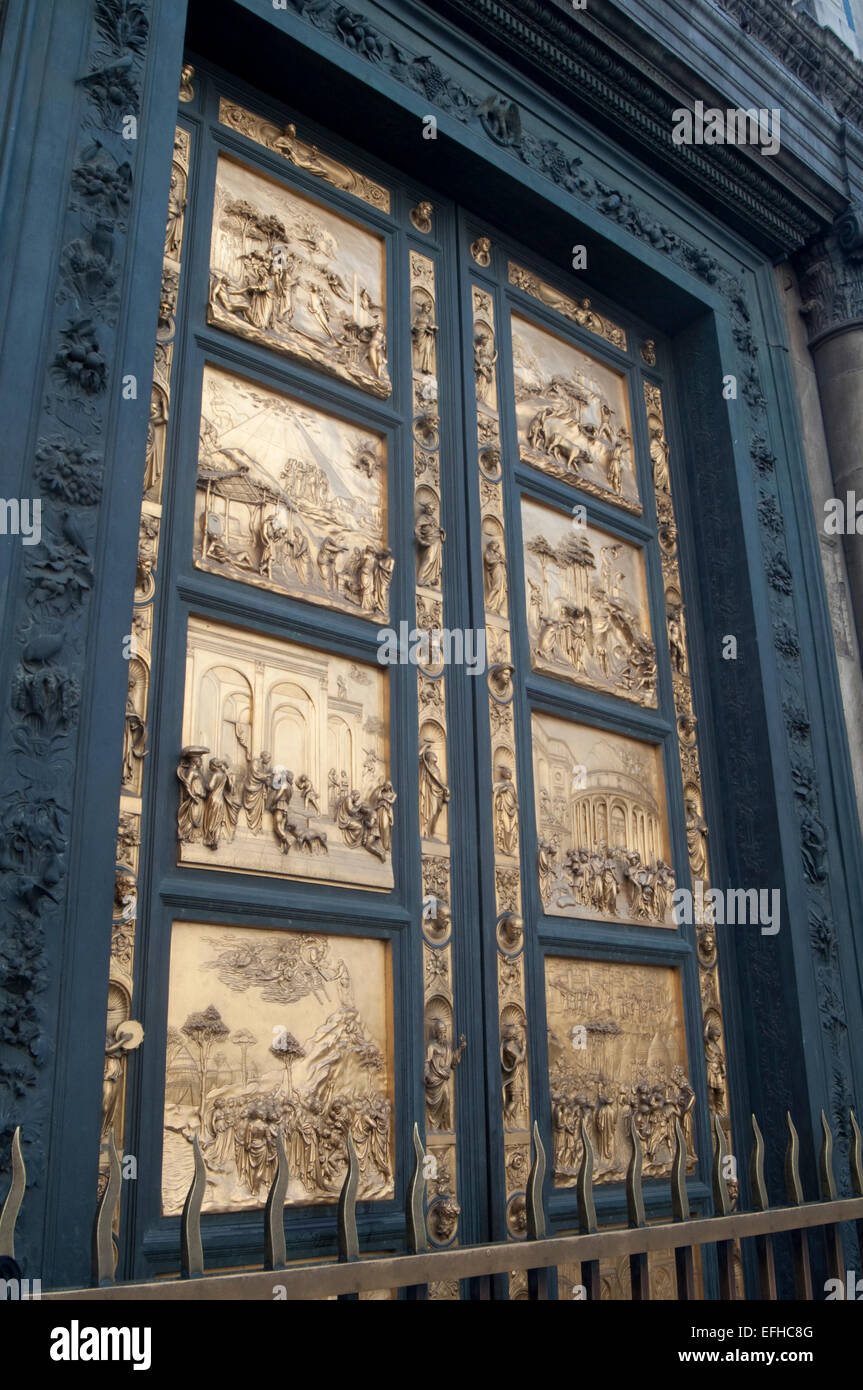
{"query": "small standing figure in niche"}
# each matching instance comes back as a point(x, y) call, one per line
point(424, 333)
point(513, 1056)
point(696, 839)
point(441, 1059)
point(506, 813)
point(429, 540)
point(494, 574)
point(134, 738)
point(484, 359)
point(434, 792)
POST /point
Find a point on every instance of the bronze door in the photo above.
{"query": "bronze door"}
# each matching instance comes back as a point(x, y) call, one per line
point(410, 772)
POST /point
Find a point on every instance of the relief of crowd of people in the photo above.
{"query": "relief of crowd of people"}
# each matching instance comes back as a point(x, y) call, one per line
point(243, 1131)
point(598, 877)
point(282, 280)
point(210, 805)
point(606, 1107)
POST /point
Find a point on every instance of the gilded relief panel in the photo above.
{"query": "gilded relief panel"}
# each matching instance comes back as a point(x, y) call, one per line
point(276, 1034)
point(285, 760)
point(291, 498)
point(576, 310)
point(587, 610)
point(602, 823)
point(285, 141)
point(573, 415)
point(616, 1048)
point(288, 273)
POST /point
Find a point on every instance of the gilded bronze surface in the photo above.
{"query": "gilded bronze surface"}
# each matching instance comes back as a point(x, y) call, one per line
point(690, 766)
point(577, 310)
point(602, 824)
point(616, 1048)
point(291, 498)
point(285, 141)
point(277, 1033)
point(614, 1278)
point(573, 415)
point(587, 611)
point(123, 1034)
point(285, 761)
point(289, 274)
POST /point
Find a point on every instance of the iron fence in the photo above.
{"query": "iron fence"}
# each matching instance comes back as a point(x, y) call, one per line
point(537, 1255)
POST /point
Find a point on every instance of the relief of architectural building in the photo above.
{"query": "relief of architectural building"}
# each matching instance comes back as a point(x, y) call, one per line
point(291, 498)
point(284, 767)
point(289, 274)
point(602, 824)
point(587, 612)
point(616, 1050)
point(277, 1034)
point(573, 416)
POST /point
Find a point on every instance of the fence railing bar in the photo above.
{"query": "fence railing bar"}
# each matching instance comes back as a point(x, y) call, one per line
point(479, 1261)
point(684, 1264)
point(275, 1250)
point(537, 1279)
point(191, 1248)
point(12, 1203)
point(763, 1243)
point(799, 1238)
point(639, 1274)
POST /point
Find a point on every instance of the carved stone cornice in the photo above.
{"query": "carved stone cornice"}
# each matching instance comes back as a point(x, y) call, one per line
point(583, 64)
point(831, 277)
point(815, 55)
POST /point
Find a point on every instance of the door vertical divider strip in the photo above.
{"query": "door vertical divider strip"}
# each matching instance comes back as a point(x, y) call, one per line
point(512, 1014)
point(713, 1034)
point(122, 1033)
point(441, 1054)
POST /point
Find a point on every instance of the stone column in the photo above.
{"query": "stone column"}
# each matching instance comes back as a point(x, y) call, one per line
point(831, 283)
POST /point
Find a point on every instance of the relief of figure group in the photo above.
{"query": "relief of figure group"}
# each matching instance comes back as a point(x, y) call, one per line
point(606, 1109)
point(291, 498)
point(310, 1094)
point(617, 1055)
point(571, 423)
point(290, 274)
point(589, 632)
point(599, 877)
point(210, 805)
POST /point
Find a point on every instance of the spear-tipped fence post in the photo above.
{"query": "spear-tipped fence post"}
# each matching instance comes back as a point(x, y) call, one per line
point(763, 1243)
point(794, 1193)
point(639, 1273)
point(683, 1261)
